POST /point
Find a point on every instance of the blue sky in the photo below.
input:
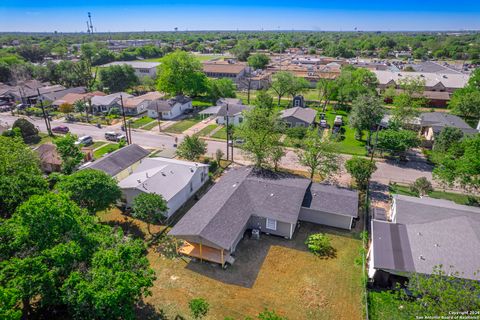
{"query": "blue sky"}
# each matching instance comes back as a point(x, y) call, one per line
point(344, 15)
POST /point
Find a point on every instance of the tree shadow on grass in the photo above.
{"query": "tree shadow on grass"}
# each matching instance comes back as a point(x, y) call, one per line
point(128, 226)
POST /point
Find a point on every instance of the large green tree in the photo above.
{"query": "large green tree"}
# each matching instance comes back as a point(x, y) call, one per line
point(150, 207)
point(258, 61)
point(447, 138)
point(318, 155)
point(191, 148)
point(91, 189)
point(242, 50)
point(353, 82)
point(367, 112)
point(398, 141)
point(282, 81)
point(117, 78)
point(27, 129)
point(361, 170)
point(70, 153)
point(466, 102)
point(261, 131)
point(221, 88)
point(409, 101)
point(20, 175)
point(181, 73)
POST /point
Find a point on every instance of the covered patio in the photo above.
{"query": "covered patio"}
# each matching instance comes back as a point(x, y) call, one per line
point(203, 252)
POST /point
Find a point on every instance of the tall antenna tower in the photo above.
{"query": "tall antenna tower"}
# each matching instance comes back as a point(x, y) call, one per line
point(91, 25)
point(88, 28)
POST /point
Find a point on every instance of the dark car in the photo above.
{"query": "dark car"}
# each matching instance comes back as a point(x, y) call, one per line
point(61, 129)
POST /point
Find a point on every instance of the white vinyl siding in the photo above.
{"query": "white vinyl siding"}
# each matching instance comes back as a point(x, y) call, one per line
point(271, 224)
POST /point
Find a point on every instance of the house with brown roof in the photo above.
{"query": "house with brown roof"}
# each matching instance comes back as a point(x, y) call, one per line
point(50, 160)
point(225, 69)
point(139, 104)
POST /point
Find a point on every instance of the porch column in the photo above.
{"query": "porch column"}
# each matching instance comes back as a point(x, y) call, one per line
point(201, 257)
point(222, 256)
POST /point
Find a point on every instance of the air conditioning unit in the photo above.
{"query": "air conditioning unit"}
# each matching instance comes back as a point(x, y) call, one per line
point(255, 234)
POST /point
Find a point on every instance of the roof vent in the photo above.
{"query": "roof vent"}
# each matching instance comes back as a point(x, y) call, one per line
point(146, 175)
point(437, 245)
point(171, 171)
point(421, 257)
point(139, 181)
point(271, 194)
point(419, 233)
point(234, 185)
point(444, 76)
point(191, 170)
point(163, 174)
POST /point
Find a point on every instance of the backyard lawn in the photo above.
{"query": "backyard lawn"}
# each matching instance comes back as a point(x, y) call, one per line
point(220, 134)
point(206, 131)
point(272, 273)
point(183, 125)
point(437, 194)
point(108, 148)
point(141, 122)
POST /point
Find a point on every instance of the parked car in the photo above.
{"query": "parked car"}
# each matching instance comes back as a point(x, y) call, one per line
point(85, 140)
point(114, 136)
point(338, 121)
point(61, 129)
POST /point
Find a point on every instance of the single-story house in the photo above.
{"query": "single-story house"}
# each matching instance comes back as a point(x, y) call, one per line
point(120, 163)
point(142, 68)
point(234, 112)
point(139, 104)
point(246, 198)
point(423, 234)
point(225, 69)
point(169, 109)
point(298, 117)
point(432, 123)
point(176, 180)
point(72, 97)
point(225, 101)
point(53, 96)
point(105, 103)
point(50, 160)
point(439, 99)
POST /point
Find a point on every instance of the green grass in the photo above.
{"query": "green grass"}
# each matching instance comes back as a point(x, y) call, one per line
point(97, 144)
point(201, 103)
point(437, 194)
point(108, 148)
point(205, 131)
point(385, 305)
point(141, 122)
point(220, 134)
point(151, 125)
point(183, 125)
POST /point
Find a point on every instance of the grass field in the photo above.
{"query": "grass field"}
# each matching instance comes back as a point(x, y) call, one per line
point(141, 122)
point(220, 134)
point(108, 148)
point(151, 125)
point(385, 305)
point(97, 144)
point(271, 273)
point(437, 194)
point(205, 131)
point(183, 125)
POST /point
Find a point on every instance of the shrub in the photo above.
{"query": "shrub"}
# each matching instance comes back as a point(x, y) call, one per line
point(319, 244)
point(296, 132)
point(198, 307)
point(213, 166)
point(421, 186)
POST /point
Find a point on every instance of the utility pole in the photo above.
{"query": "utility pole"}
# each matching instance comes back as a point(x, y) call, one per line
point(124, 120)
point(158, 116)
point(228, 136)
point(130, 130)
point(45, 116)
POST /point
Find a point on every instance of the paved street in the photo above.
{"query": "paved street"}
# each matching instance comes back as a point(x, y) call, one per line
point(387, 171)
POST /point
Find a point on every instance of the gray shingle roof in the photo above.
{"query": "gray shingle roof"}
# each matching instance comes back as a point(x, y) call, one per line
point(109, 99)
point(223, 212)
point(305, 114)
point(331, 199)
point(119, 160)
point(166, 105)
point(428, 232)
point(440, 120)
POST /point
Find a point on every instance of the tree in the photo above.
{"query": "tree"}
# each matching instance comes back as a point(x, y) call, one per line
point(361, 170)
point(263, 99)
point(28, 130)
point(441, 292)
point(150, 207)
point(198, 308)
point(466, 102)
point(91, 189)
point(319, 156)
point(408, 102)
point(65, 108)
point(9, 309)
point(269, 315)
point(446, 138)
point(181, 73)
point(219, 155)
point(276, 155)
point(460, 164)
point(221, 88)
point(319, 244)
point(397, 141)
point(191, 148)
point(282, 81)
point(326, 90)
point(242, 50)
point(117, 78)
point(367, 112)
point(56, 257)
point(474, 81)
point(353, 82)
point(421, 186)
point(298, 85)
point(261, 132)
point(70, 153)
point(258, 61)
point(20, 175)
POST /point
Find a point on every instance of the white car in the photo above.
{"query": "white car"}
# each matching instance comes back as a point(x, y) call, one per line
point(338, 121)
point(85, 140)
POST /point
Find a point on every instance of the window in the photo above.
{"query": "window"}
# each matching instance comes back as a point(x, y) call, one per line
point(271, 224)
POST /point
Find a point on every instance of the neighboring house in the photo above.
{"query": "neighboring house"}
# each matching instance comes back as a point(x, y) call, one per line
point(247, 198)
point(225, 69)
point(225, 101)
point(103, 104)
point(26, 92)
point(234, 112)
point(298, 117)
point(176, 180)
point(423, 234)
point(53, 96)
point(142, 68)
point(50, 160)
point(437, 99)
point(120, 163)
point(433, 81)
point(169, 109)
point(432, 123)
point(71, 98)
point(137, 105)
